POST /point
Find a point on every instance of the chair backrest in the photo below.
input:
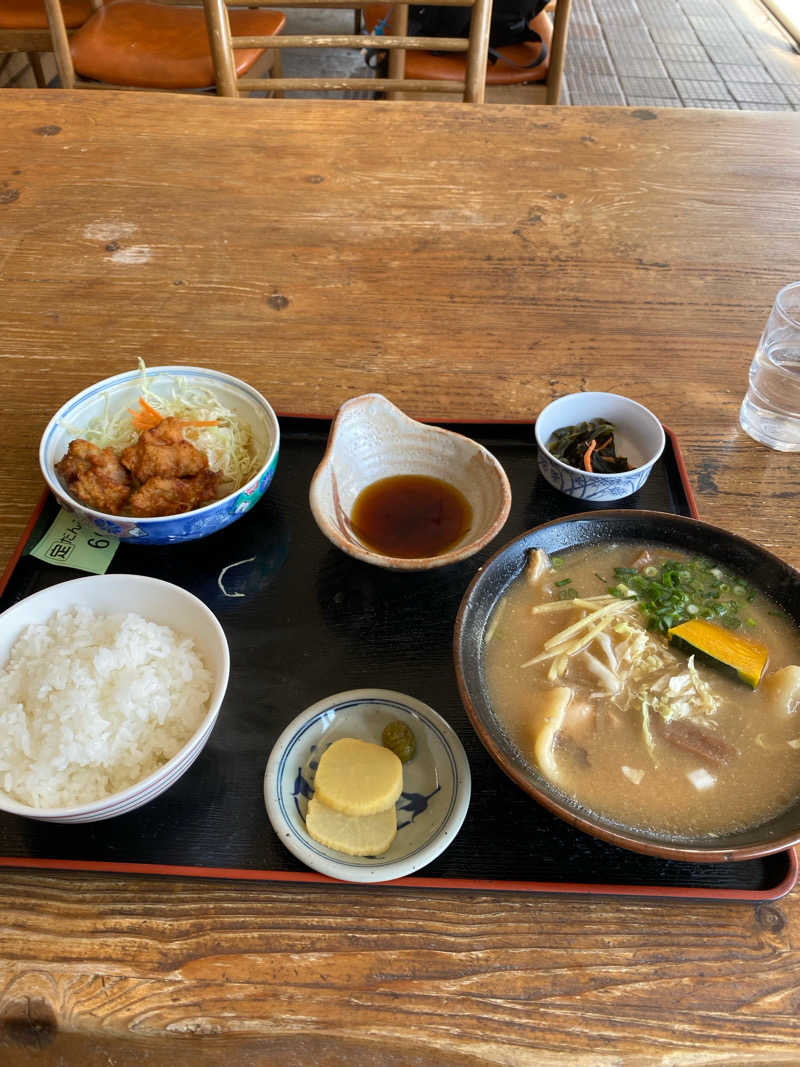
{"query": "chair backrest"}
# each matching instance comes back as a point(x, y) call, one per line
point(558, 51)
point(471, 86)
point(155, 45)
point(544, 85)
point(24, 28)
point(60, 41)
point(528, 72)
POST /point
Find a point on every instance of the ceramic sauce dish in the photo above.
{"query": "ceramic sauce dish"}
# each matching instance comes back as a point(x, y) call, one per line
point(372, 440)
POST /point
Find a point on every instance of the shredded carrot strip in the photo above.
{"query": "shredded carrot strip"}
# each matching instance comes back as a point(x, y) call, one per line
point(587, 456)
point(147, 418)
point(151, 411)
point(141, 422)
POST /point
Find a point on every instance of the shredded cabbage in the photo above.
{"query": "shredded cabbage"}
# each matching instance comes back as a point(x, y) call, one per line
point(640, 675)
point(648, 733)
point(228, 445)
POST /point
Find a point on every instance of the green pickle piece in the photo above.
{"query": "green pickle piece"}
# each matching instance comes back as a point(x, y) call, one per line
point(399, 738)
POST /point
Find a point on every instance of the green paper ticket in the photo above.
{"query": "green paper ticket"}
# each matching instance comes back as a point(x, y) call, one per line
point(68, 543)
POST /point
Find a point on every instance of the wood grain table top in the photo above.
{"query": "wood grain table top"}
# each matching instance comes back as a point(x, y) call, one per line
point(467, 262)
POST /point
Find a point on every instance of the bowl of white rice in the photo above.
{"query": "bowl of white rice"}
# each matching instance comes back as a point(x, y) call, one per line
point(110, 687)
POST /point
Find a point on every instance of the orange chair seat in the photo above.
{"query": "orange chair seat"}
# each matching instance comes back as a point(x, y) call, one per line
point(144, 44)
point(31, 14)
point(433, 66)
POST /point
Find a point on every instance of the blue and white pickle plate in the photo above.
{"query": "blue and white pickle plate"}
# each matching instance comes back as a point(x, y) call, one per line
point(431, 807)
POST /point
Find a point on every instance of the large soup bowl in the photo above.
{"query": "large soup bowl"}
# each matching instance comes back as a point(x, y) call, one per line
point(765, 571)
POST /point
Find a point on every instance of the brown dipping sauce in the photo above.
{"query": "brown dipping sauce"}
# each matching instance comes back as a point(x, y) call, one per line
point(410, 516)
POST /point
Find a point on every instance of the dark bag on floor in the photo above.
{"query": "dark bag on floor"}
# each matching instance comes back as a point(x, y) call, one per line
point(509, 25)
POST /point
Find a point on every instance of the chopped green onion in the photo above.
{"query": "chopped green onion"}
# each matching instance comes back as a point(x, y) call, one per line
point(564, 581)
point(678, 589)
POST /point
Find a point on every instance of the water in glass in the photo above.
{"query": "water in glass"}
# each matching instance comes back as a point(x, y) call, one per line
point(770, 411)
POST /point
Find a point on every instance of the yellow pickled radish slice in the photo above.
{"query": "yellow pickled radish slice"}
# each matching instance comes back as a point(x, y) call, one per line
point(358, 777)
point(356, 835)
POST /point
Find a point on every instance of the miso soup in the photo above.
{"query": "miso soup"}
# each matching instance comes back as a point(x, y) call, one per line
point(630, 720)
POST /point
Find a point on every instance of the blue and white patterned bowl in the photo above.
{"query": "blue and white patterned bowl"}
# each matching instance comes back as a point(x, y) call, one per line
point(639, 436)
point(436, 782)
point(122, 391)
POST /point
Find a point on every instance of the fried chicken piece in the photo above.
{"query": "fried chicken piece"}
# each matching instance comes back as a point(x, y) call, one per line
point(163, 453)
point(172, 496)
point(94, 476)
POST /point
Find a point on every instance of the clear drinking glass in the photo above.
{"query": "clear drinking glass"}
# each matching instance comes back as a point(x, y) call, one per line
point(770, 411)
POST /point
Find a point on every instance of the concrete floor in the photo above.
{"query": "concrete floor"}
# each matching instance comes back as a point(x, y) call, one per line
point(681, 53)
point(672, 53)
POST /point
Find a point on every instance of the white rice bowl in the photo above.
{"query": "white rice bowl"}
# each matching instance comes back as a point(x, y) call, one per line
point(109, 689)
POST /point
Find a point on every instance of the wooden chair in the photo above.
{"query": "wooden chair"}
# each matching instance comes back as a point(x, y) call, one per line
point(468, 82)
point(518, 65)
point(148, 44)
point(24, 29)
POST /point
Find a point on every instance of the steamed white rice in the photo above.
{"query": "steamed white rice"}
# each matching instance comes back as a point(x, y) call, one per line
point(91, 704)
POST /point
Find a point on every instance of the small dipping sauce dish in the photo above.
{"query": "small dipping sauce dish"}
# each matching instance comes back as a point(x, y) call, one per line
point(401, 494)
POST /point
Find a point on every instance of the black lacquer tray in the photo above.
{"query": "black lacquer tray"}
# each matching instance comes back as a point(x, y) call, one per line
point(313, 621)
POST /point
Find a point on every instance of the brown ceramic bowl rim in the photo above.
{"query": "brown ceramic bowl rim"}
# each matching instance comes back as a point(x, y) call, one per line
point(468, 627)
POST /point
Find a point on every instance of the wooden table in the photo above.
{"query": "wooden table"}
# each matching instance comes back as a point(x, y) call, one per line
point(466, 262)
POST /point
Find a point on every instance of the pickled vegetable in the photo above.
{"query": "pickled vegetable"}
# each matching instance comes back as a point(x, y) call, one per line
point(358, 777)
point(399, 738)
point(589, 446)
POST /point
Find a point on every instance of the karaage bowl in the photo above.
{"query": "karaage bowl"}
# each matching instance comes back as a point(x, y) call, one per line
point(122, 392)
